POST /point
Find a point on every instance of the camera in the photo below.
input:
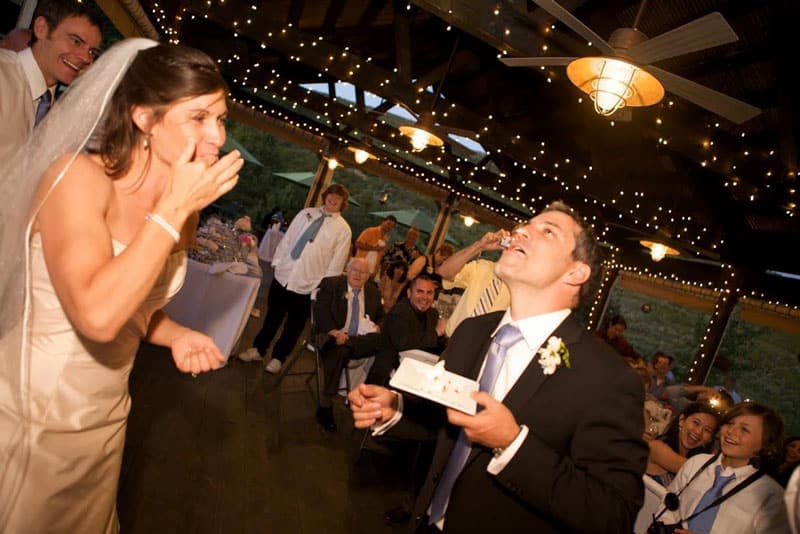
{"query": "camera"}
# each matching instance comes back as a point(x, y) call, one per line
point(659, 527)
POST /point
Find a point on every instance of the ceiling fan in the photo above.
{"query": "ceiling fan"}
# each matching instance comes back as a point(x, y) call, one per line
point(624, 76)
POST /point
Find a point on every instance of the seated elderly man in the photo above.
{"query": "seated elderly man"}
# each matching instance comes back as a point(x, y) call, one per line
point(347, 309)
point(411, 324)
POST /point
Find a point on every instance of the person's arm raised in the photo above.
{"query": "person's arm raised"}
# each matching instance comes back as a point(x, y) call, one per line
point(99, 291)
point(450, 267)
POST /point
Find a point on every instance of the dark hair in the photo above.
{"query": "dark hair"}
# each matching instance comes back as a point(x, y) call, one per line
point(658, 354)
point(55, 11)
point(390, 218)
point(338, 190)
point(586, 247)
point(446, 250)
point(772, 443)
point(393, 266)
point(671, 435)
point(424, 276)
point(157, 77)
point(617, 319)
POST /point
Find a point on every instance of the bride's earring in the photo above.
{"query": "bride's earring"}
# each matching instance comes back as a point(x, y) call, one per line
point(146, 143)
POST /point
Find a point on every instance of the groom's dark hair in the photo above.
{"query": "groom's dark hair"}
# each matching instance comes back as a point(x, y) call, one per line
point(55, 11)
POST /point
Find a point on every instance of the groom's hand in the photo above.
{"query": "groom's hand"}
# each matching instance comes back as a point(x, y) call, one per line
point(494, 426)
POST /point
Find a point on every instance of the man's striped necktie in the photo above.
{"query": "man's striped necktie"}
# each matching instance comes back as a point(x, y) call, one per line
point(484, 304)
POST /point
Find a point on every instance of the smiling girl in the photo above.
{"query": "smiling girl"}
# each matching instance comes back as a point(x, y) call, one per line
point(690, 433)
point(751, 440)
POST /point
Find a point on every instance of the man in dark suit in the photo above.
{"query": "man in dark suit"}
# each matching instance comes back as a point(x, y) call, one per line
point(412, 323)
point(556, 444)
point(339, 299)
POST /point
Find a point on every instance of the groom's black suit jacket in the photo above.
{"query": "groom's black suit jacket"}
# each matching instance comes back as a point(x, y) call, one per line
point(580, 467)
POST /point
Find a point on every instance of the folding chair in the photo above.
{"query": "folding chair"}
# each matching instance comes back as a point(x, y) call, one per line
point(313, 344)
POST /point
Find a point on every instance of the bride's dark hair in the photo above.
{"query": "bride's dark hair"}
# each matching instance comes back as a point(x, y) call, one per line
point(157, 77)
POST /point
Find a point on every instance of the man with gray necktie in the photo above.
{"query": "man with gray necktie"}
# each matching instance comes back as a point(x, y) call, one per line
point(347, 311)
point(66, 37)
point(556, 443)
point(316, 245)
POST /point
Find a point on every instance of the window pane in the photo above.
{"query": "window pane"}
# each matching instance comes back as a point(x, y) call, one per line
point(674, 328)
point(764, 362)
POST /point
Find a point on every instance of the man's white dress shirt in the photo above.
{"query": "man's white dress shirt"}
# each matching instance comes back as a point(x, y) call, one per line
point(21, 85)
point(325, 256)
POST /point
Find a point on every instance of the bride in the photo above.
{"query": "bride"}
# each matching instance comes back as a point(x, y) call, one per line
point(95, 213)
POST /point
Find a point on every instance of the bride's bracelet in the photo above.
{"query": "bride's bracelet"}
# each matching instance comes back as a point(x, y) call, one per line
point(159, 220)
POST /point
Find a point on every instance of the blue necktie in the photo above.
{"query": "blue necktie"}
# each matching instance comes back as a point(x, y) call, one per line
point(355, 312)
point(308, 236)
point(43, 106)
point(702, 523)
point(506, 337)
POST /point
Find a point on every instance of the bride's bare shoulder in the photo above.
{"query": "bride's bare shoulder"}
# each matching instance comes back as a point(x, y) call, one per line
point(77, 170)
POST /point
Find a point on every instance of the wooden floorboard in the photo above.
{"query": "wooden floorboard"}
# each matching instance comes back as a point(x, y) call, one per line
point(231, 451)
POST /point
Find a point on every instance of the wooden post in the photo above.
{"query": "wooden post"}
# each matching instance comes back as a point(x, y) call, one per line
point(322, 178)
point(608, 275)
point(715, 331)
point(442, 224)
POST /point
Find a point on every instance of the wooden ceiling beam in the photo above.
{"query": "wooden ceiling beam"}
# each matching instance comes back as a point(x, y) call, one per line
point(371, 12)
point(402, 43)
point(334, 61)
point(296, 12)
point(332, 15)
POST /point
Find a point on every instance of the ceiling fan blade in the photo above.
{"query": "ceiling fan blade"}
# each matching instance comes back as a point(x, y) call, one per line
point(537, 61)
point(557, 10)
point(705, 32)
point(723, 105)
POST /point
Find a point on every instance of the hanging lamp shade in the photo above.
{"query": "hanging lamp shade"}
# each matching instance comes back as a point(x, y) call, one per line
point(658, 251)
point(614, 83)
point(421, 133)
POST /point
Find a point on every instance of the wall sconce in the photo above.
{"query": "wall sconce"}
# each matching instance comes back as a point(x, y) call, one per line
point(658, 251)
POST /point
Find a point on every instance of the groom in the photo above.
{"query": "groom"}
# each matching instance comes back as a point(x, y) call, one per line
point(556, 445)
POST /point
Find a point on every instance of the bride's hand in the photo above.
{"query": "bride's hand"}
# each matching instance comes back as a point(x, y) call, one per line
point(195, 184)
point(195, 352)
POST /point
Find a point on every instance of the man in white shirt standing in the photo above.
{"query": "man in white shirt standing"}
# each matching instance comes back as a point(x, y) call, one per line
point(316, 245)
point(66, 37)
point(537, 456)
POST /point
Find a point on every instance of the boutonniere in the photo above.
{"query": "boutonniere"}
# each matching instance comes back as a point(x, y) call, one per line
point(553, 354)
point(348, 295)
point(309, 216)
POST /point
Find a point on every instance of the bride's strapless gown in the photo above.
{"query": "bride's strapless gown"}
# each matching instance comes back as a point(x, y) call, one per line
point(79, 406)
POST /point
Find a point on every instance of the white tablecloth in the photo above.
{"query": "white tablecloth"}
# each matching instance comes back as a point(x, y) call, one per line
point(215, 304)
point(266, 249)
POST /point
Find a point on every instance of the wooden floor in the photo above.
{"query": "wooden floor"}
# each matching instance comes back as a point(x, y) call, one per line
point(232, 451)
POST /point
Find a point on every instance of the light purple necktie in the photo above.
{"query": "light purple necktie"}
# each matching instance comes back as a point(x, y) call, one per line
point(508, 336)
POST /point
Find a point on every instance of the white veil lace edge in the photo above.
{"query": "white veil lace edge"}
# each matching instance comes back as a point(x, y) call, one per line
point(68, 129)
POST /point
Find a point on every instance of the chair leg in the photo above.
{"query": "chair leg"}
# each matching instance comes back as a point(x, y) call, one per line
point(347, 383)
point(364, 439)
point(318, 372)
